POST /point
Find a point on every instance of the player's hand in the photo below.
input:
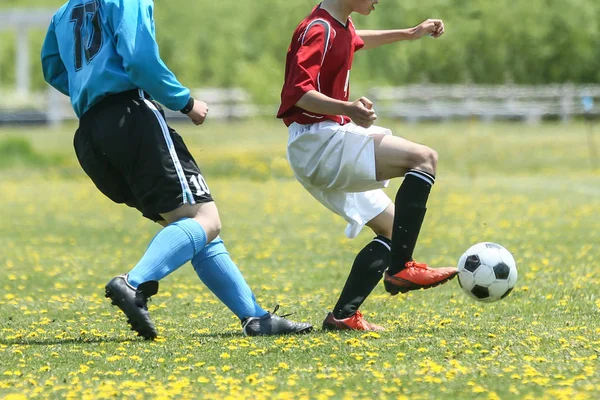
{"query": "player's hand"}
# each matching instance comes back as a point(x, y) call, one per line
point(361, 112)
point(430, 27)
point(198, 113)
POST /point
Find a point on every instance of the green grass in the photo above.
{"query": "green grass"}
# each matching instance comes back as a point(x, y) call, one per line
point(528, 188)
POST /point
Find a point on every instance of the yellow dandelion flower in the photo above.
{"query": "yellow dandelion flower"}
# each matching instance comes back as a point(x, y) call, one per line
point(371, 335)
point(479, 389)
point(283, 365)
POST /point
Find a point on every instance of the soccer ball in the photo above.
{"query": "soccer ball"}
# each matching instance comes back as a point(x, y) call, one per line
point(487, 272)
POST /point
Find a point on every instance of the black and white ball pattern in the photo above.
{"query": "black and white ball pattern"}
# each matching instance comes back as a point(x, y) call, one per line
point(487, 272)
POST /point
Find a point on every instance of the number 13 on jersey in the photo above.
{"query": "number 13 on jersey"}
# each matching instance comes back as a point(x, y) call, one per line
point(87, 32)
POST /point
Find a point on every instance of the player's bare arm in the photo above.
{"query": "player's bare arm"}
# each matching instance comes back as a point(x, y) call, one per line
point(376, 38)
point(360, 111)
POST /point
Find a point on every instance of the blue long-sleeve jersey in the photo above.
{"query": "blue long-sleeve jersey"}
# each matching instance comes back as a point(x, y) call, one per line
point(94, 48)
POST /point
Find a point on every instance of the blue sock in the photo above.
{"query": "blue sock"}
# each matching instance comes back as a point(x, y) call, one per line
point(172, 247)
point(219, 273)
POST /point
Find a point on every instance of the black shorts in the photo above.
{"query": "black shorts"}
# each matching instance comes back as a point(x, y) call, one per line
point(126, 147)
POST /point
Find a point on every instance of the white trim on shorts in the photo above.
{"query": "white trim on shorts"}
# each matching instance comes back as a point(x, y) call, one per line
point(188, 197)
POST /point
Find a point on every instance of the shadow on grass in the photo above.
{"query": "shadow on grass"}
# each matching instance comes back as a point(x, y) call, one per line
point(222, 335)
point(53, 342)
point(238, 335)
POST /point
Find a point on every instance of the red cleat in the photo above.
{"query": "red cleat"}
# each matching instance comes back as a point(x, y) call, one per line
point(417, 276)
point(355, 322)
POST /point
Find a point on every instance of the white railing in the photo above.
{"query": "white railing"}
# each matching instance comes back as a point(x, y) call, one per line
point(231, 103)
point(411, 103)
point(517, 102)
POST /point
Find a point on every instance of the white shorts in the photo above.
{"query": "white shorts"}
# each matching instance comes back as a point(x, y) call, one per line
point(336, 164)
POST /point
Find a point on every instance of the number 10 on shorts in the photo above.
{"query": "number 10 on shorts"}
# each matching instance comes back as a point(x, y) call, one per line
point(200, 185)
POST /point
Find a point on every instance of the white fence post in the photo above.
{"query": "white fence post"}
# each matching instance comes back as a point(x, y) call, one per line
point(22, 60)
point(566, 102)
point(54, 113)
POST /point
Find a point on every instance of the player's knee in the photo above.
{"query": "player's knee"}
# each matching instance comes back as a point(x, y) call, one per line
point(433, 160)
point(211, 226)
point(427, 160)
point(217, 228)
point(216, 231)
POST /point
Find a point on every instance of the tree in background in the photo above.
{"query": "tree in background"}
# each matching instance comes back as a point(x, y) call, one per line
point(243, 43)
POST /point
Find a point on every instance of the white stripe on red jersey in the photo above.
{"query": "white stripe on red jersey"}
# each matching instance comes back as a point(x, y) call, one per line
point(319, 58)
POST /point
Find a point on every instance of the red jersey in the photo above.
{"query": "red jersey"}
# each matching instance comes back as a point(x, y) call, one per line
point(319, 58)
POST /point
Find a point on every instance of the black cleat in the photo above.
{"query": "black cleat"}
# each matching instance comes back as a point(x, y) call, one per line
point(134, 303)
point(272, 324)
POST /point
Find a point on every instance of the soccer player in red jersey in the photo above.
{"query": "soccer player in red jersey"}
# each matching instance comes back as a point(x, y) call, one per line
point(344, 160)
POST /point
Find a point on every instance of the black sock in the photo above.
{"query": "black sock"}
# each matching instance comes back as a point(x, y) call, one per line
point(367, 270)
point(409, 214)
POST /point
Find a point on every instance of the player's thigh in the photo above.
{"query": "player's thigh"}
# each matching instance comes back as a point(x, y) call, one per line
point(334, 157)
point(96, 164)
point(163, 175)
point(395, 155)
point(206, 214)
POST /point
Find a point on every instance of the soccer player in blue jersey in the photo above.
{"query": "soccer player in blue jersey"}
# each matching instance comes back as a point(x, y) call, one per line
point(103, 55)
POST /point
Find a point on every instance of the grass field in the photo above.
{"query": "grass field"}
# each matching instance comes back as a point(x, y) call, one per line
point(528, 188)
